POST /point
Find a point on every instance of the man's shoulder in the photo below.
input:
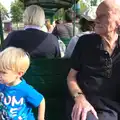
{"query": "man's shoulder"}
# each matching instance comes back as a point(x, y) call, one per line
point(25, 84)
point(51, 37)
point(14, 34)
point(89, 39)
point(91, 36)
point(16, 31)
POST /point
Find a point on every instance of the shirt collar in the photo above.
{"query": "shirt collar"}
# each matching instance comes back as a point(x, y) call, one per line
point(101, 47)
point(31, 26)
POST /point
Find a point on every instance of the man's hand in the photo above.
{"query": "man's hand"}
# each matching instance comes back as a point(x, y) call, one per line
point(81, 108)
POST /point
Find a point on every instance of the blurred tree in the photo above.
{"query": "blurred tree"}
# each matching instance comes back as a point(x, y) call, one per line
point(17, 8)
point(93, 2)
point(3, 11)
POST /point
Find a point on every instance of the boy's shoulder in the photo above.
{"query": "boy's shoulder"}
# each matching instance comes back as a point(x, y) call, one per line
point(25, 86)
point(21, 89)
point(32, 95)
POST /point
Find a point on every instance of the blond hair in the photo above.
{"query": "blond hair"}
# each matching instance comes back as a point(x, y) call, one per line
point(14, 59)
point(34, 15)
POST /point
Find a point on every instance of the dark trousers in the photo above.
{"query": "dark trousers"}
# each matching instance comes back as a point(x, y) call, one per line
point(104, 112)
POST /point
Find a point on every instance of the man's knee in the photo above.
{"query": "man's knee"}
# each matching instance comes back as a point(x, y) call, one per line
point(111, 115)
point(103, 116)
point(90, 116)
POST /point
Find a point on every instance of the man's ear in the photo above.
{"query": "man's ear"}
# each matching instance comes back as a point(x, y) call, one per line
point(118, 22)
point(20, 74)
point(118, 29)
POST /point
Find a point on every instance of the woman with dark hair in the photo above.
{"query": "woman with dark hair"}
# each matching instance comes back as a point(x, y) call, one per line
point(86, 25)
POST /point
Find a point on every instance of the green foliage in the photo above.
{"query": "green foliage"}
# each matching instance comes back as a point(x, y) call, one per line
point(93, 2)
point(59, 14)
point(17, 9)
point(3, 10)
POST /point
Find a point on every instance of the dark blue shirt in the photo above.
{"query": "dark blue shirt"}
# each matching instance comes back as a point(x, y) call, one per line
point(36, 42)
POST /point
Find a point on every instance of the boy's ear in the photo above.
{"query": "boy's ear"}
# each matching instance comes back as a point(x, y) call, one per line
point(20, 74)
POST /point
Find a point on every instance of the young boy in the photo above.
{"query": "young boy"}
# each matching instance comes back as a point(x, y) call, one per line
point(17, 97)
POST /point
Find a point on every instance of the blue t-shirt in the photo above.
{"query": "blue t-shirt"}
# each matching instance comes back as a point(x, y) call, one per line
point(16, 102)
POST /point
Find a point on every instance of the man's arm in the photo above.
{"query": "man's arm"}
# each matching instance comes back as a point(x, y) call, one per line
point(41, 110)
point(81, 106)
point(72, 82)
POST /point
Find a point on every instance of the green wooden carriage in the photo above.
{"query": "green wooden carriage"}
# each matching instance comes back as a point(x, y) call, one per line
point(48, 76)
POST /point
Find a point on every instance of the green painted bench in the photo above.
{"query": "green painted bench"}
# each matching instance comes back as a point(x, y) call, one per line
point(48, 76)
point(66, 40)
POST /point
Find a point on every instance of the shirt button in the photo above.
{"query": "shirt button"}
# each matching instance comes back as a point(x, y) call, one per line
point(106, 53)
point(109, 73)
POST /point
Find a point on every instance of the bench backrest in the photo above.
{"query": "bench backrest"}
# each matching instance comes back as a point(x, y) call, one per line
point(48, 76)
point(66, 40)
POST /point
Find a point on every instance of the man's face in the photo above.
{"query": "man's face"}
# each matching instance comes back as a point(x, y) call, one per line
point(106, 20)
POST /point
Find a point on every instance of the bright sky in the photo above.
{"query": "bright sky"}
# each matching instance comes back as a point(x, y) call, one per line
point(6, 4)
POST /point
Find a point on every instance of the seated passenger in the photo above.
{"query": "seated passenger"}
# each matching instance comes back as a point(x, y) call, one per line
point(94, 77)
point(49, 26)
point(17, 98)
point(36, 42)
point(87, 26)
point(65, 30)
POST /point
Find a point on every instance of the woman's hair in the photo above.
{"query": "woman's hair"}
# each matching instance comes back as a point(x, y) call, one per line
point(88, 17)
point(87, 25)
point(69, 15)
point(48, 24)
point(14, 59)
point(58, 22)
point(34, 15)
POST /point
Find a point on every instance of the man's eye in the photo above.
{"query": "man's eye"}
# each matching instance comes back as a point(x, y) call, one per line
point(2, 72)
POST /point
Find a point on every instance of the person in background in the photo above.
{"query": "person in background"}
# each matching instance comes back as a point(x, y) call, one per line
point(87, 26)
point(58, 21)
point(49, 26)
point(65, 30)
point(61, 43)
point(37, 43)
point(44, 28)
point(17, 98)
point(94, 77)
point(77, 21)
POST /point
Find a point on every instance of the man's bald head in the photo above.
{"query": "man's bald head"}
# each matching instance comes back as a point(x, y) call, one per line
point(108, 17)
point(113, 5)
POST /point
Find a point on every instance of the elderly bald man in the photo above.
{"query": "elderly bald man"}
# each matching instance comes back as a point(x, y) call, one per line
point(94, 77)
